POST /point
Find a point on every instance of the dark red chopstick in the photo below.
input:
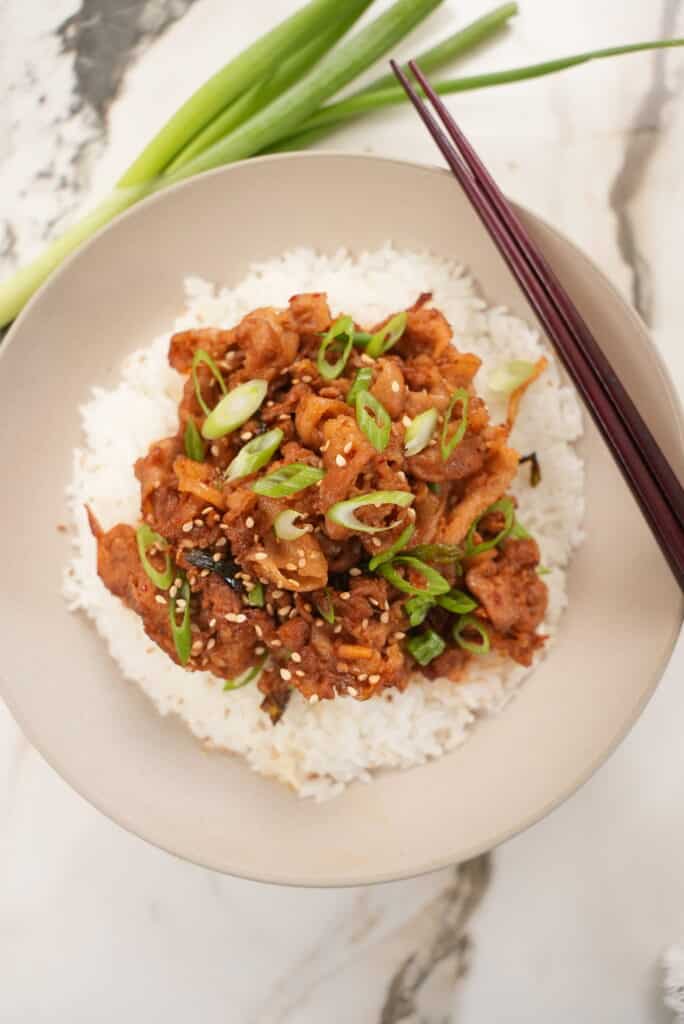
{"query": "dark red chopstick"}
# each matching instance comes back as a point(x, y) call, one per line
point(657, 490)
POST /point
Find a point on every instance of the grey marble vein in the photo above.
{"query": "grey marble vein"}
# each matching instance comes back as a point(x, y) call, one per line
point(644, 138)
point(446, 918)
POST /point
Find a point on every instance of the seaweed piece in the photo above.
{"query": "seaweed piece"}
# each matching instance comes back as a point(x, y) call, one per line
point(535, 468)
point(227, 568)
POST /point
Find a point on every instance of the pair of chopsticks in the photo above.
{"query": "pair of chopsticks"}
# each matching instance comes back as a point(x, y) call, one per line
point(642, 463)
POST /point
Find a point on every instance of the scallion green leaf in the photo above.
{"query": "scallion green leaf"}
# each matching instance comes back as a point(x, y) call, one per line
point(234, 409)
point(341, 334)
point(284, 525)
point(417, 608)
point(518, 531)
point(255, 596)
point(146, 538)
point(449, 443)
point(288, 480)
point(343, 512)
point(201, 357)
point(361, 338)
point(510, 375)
point(327, 613)
point(506, 506)
point(437, 552)
point(182, 635)
point(256, 454)
point(384, 339)
point(419, 432)
point(470, 622)
point(373, 419)
point(425, 647)
point(362, 382)
point(195, 447)
point(435, 582)
point(457, 601)
point(247, 677)
point(388, 554)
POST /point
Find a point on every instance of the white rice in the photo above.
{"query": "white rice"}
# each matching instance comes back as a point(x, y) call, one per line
point(320, 748)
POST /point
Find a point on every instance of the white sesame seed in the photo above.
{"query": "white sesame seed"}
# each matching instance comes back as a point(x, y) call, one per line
point(345, 595)
point(276, 643)
point(285, 610)
point(340, 460)
point(199, 522)
point(337, 629)
point(411, 513)
point(211, 643)
point(291, 567)
point(367, 360)
point(364, 624)
point(212, 623)
point(296, 656)
point(348, 447)
point(187, 527)
point(197, 646)
point(354, 572)
point(384, 618)
point(221, 542)
point(249, 522)
point(302, 563)
point(247, 436)
point(259, 631)
point(314, 698)
point(241, 618)
point(204, 573)
point(298, 672)
point(300, 552)
point(260, 556)
point(231, 617)
point(374, 679)
point(293, 583)
point(214, 450)
point(278, 593)
point(259, 650)
point(180, 604)
point(376, 542)
point(399, 635)
point(173, 591)
point(352, 692)
point(395, 387)
point(209, 508)
point(285, 674)
point(306, 379)
point(324, 447)
point(406, 420)
point(307, 607)
point(159, 599)
point(217, 556)
point(362, 677)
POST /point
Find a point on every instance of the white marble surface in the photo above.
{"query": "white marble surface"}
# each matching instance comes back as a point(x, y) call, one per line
point(97, 926)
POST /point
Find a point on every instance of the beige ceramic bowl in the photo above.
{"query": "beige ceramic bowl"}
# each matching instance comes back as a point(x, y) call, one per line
point(148, 773)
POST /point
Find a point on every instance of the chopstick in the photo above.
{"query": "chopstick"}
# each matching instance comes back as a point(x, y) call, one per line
point(642, 463)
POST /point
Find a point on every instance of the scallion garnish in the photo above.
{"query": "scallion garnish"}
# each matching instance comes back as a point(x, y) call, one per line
point(506, 506)
point(472, 623)
point(373, 420)
point(361, 338)
point(417, 608)
point(421, 429)
point(511, 375)
point(435, 582)
point(388, 554)
point(288, 480)
point(543, 570)
point(518, 531)
point(327, 613)
point(341, 334)
point(247, 677)
point(437, 552)
point(457, 601)
point(201, 357)
point(146, 539)
point(284, 525)
point(383, 340)
point(255, 596)
point(256, 454)
point(182, 636)
point(234, 409)
point(195, 447)
point(343, 512)
point(425, 647)
point(362, 382)
point(449, 443)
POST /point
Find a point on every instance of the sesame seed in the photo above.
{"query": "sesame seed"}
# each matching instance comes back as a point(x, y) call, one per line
point(291, 567)
point(307, 378)
point(296, 656)
point(345, 595)
point(318, 622)
point(307, 607)
point(411, 513)
point(276, 643)
point(212, 623)
point(180, 604)
point(221, 542)
point(362, 677)
point(187, 527)
point(224, 526)
point(364, 624)
point(283, 416)
point(314, 698)
point(352, 691)
point(374, 602)
point(340, 460)
point(204, 574)
point(214, 450)
point(259, 650)
point(278, 593)
point(300, 552)
point(249, 522)
point(298, 672)
point(367, 360)
point(216, 557)
point(395, 387)
point(374, 679)
point(178, 582)
point(406, 420)
point(231, 617)
point(211, 644)
point(354, 572)
point(376, 542)
point(173, 591)
point(199, 522)
point(384, 618)
point(302, 563)
point(293, 583)
point(259, 631)
point(247, 436)
point(209, 508)
point(293, 612)
point(348, 447)
point(159, 599)
point(285, 674)
point(399, 635)
point(240, 618)
point(285, 610)
point(197, 646)
point(337, 629)
point(270, 403)
point(259, 556)
point(324, 447)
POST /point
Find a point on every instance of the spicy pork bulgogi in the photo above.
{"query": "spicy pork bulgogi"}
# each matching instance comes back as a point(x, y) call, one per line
point(331, 514)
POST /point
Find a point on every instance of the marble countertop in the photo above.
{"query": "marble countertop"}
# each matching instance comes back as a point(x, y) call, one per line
point(567, 922)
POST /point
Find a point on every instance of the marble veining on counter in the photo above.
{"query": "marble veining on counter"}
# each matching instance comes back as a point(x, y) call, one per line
point(567, 922)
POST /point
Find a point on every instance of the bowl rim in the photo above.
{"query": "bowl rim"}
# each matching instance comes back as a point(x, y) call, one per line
point(439, 863)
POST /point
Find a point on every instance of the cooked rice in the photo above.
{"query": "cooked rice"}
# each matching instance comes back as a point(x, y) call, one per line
point(320, 748)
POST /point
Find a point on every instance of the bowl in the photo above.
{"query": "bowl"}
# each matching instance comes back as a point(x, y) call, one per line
point(149, 774)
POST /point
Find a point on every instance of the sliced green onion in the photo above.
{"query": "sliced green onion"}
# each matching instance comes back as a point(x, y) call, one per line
point(361, 338)
point(362, 382)
point(518, 531)
point(433, 486)
point(288, 480)
point(234, 409)
point(247, 677)
point(373, 420)
point(417, 608)
point(342, 512)
point(388, 554)
point(340, 334)
point(425, 647)
point(384, 339)
point(506, 506)
point(147, 538)
point(256, 454)
point(511, 375)
point(182, 636)
point(543, 570)
point(457, 601)
point(255, 597)
point(327, 613)
point(195, 447)
point(284, 525)
point(435, 582)
point(419, 432)
point(198, 358)
point(437, 552)
point(470, 622)
point(449, 443)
